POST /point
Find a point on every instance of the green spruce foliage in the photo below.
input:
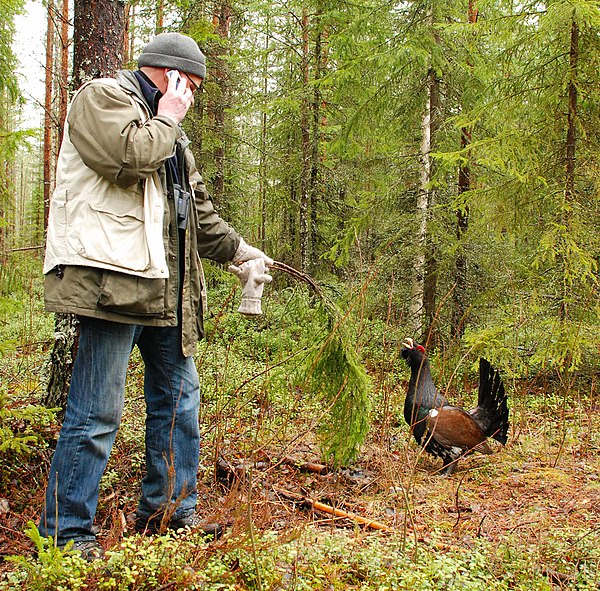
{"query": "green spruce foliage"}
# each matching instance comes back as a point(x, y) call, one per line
point(335, 375)
point(9, 98)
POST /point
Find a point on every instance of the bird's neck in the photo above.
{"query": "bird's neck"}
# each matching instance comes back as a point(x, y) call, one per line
point(421, 388)
point(420, 375)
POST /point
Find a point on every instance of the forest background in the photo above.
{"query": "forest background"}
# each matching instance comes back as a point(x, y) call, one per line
point(432, 165)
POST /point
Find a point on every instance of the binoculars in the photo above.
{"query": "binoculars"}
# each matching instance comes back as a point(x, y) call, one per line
point(182, 204)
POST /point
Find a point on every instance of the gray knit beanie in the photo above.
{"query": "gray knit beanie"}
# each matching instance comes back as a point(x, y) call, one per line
point(175, 51)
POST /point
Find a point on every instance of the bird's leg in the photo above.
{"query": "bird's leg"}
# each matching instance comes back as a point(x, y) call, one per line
point(448, 467)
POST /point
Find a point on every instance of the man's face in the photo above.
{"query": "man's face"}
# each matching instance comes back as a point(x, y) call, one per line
point(193, 82)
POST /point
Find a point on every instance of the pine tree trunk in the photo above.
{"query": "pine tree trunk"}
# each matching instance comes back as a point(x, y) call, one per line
point(64, 70)
point(99, 30)
point(159, 17)
point(99, 27)
point(128, 16)
point(48, 160)
point(221, 23)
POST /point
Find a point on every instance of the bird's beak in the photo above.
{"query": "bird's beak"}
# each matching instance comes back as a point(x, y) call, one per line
point(408, 343)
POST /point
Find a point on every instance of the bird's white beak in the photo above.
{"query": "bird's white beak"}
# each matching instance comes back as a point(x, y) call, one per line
point(408, 343)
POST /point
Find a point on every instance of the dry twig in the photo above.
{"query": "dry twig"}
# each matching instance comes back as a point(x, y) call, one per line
point(318, 506)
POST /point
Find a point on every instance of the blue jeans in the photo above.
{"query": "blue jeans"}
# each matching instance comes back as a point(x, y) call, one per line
point(93, 415)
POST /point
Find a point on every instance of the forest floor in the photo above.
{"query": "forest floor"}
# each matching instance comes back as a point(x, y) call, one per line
point(538, 496)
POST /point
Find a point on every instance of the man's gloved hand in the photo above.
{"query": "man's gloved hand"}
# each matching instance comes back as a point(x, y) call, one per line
point(253, 275)
point(245, 252)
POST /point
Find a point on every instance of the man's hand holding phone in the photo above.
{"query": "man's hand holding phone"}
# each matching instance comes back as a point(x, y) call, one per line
point(177, 98)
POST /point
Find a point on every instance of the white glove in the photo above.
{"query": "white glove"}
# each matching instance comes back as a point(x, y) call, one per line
point(253, 275)
point(245, 252)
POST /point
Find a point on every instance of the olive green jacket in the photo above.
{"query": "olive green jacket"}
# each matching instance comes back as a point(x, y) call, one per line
point(112, 248)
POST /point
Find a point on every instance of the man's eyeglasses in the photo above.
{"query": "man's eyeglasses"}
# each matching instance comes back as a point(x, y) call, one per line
point(194, 86)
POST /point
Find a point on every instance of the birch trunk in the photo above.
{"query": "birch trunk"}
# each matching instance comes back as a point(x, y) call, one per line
point(417, 291)
point(315, 190)
point(262, 167)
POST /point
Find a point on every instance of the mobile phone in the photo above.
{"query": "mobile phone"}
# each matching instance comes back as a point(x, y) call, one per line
point(177, 75)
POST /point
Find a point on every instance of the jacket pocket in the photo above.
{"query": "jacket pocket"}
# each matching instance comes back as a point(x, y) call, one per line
point(115, 234)
point(131, 295)
point(58, 207)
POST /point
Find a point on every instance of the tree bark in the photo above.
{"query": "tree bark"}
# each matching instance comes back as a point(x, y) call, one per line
point(417, 291)
point(159, 16)
point(431, 256)
point(422, 312)
point(98, 34)
point(221, 23)
point(99, 27)
point(462, 224)
point(318, 120)
point(48, 92)
point(64, 69)
point(262, 166)
point(305, 141)
point(128, 16)
point(570, 154)
point(62, 358)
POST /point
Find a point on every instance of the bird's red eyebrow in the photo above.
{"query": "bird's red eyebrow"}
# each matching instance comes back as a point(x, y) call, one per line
point(421, 348)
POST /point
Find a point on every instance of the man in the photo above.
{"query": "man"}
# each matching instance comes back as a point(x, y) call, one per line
point(130, 219)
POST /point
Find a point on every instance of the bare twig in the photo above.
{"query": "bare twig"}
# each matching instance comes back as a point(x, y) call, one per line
point(297, 275)
point(22, 248)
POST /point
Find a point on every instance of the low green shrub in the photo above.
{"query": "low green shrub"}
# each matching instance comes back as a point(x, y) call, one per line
point(313, 559)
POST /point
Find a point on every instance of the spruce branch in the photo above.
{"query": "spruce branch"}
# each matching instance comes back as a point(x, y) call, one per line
point(333, 371)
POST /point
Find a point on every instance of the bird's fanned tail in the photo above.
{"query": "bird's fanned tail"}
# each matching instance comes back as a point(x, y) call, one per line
point(491, 411)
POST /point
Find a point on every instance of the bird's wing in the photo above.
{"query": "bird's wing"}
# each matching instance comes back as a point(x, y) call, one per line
point(451, 426)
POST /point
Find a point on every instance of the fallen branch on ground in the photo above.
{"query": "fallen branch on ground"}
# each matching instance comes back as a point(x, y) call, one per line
point(305, 466)
point(318, 506)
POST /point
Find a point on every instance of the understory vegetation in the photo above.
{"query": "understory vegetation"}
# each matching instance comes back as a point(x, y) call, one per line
point(524, 518)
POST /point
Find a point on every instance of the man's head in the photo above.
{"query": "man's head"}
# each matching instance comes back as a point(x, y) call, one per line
point(175, 52)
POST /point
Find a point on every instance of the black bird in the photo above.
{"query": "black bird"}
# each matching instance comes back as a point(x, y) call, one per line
point(446, 431)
